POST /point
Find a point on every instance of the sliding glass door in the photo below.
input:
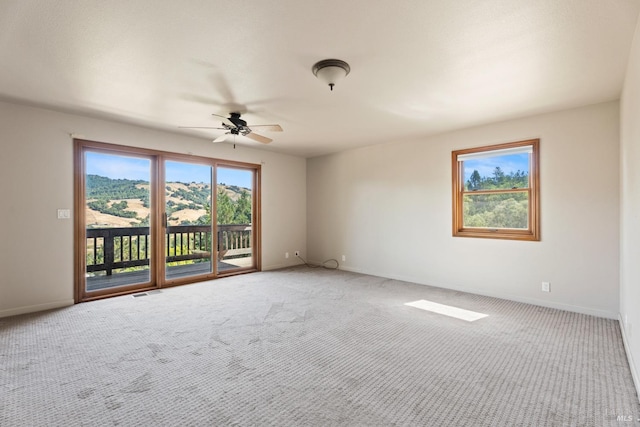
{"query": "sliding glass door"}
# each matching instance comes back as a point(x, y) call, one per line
point(147, 219)
point(234, 206)
point(187, 198)
point(116, 219)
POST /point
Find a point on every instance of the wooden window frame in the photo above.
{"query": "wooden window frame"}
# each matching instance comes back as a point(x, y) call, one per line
point(533, 232)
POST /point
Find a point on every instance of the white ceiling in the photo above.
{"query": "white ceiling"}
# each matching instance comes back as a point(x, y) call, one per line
point(417, 67)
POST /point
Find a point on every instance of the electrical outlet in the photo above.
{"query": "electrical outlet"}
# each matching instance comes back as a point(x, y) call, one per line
point(546, 287)
point(286, 254)
point(344, 258)
point(297, 253)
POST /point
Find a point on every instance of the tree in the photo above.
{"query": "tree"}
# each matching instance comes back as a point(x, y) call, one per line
point(475, 181)
point(243, 209)
point(225, 210)
point(498, 176)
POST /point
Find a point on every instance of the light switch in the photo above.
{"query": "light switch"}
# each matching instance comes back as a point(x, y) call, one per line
point(64, 213)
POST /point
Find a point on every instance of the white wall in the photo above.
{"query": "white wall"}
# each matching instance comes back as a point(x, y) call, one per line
point(630, 210)
point(36, 172)
point(388, 209)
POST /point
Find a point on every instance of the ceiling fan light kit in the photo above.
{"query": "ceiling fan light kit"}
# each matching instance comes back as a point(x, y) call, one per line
point(330, 71)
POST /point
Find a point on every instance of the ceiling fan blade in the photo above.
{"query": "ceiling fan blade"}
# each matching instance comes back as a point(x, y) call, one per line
point(259, 138)
point(272, 128)
point(200, 127)
point(201, 99)
point(225, 120)
point(221, 137)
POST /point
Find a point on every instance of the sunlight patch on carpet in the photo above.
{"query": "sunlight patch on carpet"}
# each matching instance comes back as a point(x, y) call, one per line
point(447, 310)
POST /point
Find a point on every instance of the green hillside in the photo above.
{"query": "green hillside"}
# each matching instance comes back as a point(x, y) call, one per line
point(186, 203)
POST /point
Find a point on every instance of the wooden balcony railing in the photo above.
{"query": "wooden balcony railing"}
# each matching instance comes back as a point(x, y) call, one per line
point(114, 248)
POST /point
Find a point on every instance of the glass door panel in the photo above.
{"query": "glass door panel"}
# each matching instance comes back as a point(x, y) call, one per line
point(188, 248)
point(118, 245)
point(234, 202)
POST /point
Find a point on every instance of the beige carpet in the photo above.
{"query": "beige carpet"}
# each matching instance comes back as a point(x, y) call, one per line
point(311, 347)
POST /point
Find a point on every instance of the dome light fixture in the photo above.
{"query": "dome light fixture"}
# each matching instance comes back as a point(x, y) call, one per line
point(331, 71)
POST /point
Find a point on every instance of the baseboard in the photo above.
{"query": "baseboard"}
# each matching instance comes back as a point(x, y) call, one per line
point(543, 303)
point(627, 349)
point(35, 308)
point(280, 266)
point(273, 267)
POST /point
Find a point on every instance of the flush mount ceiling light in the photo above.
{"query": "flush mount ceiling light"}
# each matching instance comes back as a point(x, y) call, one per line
point(331, 71)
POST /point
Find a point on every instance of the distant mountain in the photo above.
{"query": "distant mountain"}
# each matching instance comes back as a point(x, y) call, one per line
point(125, 202)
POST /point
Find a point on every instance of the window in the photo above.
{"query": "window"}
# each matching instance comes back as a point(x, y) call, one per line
point(496, 191)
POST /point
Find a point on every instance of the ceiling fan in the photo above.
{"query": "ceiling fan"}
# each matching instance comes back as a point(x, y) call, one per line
point(234, 125)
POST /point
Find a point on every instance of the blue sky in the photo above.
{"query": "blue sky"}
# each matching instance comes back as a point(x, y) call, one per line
point(135, 168)
point(508, 163)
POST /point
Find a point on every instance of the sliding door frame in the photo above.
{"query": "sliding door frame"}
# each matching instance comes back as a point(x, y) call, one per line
point(157, 226)
point(80, 234)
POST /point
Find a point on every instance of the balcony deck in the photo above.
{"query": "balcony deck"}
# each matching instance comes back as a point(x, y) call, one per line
point(110, 250)
point(96, 283)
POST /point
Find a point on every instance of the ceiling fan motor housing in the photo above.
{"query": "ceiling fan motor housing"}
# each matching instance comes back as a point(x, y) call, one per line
point(236, 120)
